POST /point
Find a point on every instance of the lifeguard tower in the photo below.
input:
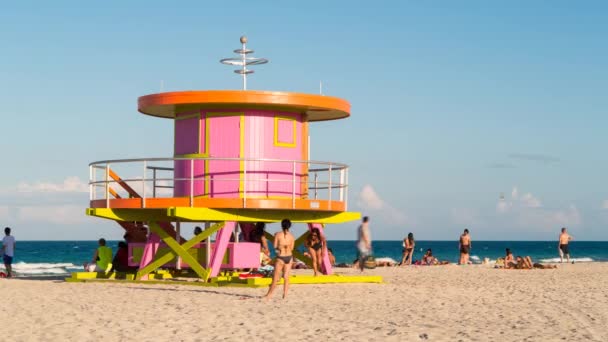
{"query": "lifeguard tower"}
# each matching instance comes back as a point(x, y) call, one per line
point(240, 157)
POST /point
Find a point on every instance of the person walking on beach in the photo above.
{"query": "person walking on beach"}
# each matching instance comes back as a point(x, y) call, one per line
point(364, 242)
point(283, 246)
point(8, 251)
point(408, 249)
point(564, 239)
point(465, 247)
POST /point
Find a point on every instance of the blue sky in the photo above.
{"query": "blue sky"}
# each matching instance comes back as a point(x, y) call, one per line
point(453, 104)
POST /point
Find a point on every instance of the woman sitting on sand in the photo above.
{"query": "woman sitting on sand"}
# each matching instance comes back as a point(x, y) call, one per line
point(428, 258)
point(408, 249)
point(509, 261)
point(316, 248)
point(283, 245)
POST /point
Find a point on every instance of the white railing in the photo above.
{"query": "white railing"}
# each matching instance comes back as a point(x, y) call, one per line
point(313, 180)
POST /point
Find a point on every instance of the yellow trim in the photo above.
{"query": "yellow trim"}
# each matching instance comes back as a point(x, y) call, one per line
point(242, 155)
point(241, 147)
point(208, 214)
point(276, 131)
point(192, 155)
point(189, 116)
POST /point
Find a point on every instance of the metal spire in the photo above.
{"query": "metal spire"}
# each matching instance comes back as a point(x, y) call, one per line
point(243, 61)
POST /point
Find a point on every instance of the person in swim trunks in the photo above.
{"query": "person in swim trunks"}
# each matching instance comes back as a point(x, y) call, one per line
point(283, 245)
point(316, 245)
point(563, 247)
point(465, 247)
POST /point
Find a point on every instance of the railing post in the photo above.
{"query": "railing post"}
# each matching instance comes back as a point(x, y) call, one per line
point(245, 184)
point(346, 192)
point(341, 184)
point(329, 186)
point(191, 182)
point(293, 185)
point(107, 185)
point(143, 187)
point(153, 183)
point(316, 184)
point(91, 186)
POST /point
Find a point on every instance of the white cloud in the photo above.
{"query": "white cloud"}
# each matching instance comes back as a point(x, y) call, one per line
point(370, 201)
point(69, 185)
point(60, 214)
point(530, 201)
point(526, 211)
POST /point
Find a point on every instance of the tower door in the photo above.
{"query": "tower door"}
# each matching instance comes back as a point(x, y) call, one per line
point(223, 141)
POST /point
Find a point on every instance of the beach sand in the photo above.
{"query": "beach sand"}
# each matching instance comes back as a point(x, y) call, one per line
point(441, 303)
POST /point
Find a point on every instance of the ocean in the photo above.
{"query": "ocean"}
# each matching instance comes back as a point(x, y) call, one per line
point(57, 258)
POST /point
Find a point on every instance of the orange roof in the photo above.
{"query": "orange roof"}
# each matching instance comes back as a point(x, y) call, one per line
point(317, 107)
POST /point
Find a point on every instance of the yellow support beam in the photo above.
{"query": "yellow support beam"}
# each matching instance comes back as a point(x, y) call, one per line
point(207, 214)
point(258, 215)
point(186, 246)
point(159, 215)
point(179, 250)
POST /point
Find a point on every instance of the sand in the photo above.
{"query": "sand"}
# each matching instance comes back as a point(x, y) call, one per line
point(441, 303)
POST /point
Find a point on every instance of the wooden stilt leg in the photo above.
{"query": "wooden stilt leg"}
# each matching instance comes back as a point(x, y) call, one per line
point(180, 250)
point(150, 250)
point(219, 249)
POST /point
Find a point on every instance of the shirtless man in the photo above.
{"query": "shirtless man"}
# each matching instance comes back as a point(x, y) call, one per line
point(564, 239)
point(283, 246)
point(464, 246)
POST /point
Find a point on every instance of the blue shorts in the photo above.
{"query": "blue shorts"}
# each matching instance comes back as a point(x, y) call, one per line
point(7, 259)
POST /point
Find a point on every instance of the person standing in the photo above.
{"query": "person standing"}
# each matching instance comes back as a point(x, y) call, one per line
point(283, 245)
point(8, 251)
point(464, 246)
point(408, 249)
point(564, 240)
point(364, 242)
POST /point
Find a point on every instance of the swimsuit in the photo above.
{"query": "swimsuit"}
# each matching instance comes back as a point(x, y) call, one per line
point(564, 248)
point(286, 259)
point(317, 246)
point(465, 249)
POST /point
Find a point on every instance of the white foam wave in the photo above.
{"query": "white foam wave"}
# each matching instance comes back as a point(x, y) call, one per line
point(475, 258)
point(556, 260)
point(22, 268)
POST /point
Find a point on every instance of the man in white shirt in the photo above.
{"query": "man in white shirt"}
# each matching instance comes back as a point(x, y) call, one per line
point(8, 251)
point(364, 242)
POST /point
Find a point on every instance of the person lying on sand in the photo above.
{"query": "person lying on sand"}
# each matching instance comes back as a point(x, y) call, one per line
point(525, 263)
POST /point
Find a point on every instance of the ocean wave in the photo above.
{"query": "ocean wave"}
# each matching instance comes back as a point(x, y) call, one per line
point(23, 268)
point(556, 260)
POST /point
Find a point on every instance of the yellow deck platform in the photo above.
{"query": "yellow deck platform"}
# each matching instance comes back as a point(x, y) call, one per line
point(231, 279)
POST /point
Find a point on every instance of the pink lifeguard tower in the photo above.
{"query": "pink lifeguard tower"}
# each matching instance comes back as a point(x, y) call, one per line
point(240, 157)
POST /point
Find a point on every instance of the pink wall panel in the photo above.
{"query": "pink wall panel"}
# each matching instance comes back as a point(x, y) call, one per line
point(285, 131)
point(271, 179)
point(186, 136)
point(181, 173)
point(224, 142)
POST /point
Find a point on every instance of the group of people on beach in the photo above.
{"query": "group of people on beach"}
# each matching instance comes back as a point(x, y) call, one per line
point(465, 245)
